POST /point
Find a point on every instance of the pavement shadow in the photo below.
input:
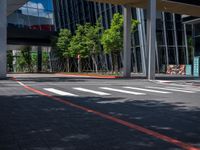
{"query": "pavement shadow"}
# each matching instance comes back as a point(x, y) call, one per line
point(176, 119)
point(38, 123)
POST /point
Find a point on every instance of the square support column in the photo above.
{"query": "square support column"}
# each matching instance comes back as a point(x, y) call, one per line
point(151, 38)
point(3, 38)
point(127, 42)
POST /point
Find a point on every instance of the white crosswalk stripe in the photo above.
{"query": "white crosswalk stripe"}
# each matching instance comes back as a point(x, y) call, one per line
point(122, 91)
point(59, 92)
point(171, 89)
point(133, 90)
point(147, 90)
point(92, 91)
point(185, 87)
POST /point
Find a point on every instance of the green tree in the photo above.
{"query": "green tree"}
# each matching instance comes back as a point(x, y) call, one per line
point(112, 38)
point(93, 41)
point(10, 60)
point(62, 44)
point(45, 60)
point(78, 47)
point(24, 60)
point(34, 57)
point(86, 42)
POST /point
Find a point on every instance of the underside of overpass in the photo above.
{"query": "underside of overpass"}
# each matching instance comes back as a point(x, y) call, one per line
point(21, 36)
point(13, 5)
point(17, 36)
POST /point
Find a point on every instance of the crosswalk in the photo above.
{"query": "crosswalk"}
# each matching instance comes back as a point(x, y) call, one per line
point(130, 90)
point(172, 89)
point(59, 92)
point(92, 91)
point(147, 90)
point(122, 91)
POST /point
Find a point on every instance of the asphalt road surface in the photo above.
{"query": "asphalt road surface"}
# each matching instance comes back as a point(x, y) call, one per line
point(51, 112)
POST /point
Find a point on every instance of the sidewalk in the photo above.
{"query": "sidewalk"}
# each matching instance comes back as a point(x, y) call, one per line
point(133, 76)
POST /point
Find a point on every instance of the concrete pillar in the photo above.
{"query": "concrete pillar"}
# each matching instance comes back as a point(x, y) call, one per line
point(151, 38)
point(3, 38)
point(127, 41)
point(39, 58)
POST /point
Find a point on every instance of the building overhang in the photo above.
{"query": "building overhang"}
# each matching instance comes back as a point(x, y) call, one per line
point(173, 6)
point(20, 36)
point(191, 21)
point(13, 5)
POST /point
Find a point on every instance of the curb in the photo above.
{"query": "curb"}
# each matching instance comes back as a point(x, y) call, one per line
point(89, 76)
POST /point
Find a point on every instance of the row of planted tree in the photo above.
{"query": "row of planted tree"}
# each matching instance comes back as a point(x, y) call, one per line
point(26, 60)
point(89, 41)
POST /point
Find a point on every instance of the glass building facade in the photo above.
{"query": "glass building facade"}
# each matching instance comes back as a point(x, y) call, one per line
point(196, 38)
point(170, 43)
point(68, 13)
point(35, 15)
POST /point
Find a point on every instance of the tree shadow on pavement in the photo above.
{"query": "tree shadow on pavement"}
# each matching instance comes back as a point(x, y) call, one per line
point(38, 123)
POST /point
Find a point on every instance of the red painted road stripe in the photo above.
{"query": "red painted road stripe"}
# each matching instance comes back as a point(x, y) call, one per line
point(114, 119)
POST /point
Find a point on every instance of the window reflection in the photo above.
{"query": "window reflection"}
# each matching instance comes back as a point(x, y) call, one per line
point(35, 14)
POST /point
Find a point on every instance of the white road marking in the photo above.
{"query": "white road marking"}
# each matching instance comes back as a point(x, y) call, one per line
point(147, 90)
point(92, 91)
point(180, 85)
point(115, 101)
point(59, 92)
point(163, 81)
point(171, 89)
point(20, 83)
point(122, 91)
point(185, 87)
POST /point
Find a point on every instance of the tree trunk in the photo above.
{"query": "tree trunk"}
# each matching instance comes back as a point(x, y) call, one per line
point(95, 63)
point(79, 65)
point(68, 68)
point(115, 63)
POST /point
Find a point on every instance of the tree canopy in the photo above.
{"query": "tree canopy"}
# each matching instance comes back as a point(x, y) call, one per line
point(112, 38)
point(63, 42)
point(86, 40)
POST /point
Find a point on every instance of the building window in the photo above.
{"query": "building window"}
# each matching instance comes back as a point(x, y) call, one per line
point(35, 14)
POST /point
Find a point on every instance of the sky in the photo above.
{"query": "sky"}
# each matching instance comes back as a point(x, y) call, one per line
point(44, 5)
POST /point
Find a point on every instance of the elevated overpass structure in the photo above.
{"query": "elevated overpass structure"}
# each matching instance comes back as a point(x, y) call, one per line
point(26, 29)
point(6, 8)
point(23, 36)
point(11, 35)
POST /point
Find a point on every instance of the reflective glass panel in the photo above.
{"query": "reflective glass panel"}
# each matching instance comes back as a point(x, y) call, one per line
point(35, 14)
